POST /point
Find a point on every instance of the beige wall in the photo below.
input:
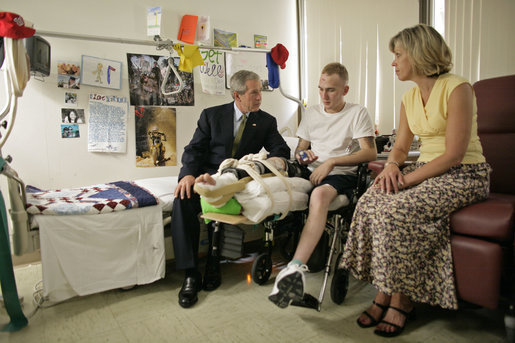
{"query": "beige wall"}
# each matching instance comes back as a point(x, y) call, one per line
point(44, 159)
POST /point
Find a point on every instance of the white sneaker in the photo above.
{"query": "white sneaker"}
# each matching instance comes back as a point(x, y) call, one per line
point(289, 285)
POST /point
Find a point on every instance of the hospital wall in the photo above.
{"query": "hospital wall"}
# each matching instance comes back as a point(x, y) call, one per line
point(43, 159)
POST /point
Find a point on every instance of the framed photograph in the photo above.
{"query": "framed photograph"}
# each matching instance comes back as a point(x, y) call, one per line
point(99, 72)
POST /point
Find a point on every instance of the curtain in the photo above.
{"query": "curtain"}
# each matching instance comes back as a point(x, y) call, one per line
point(480, 35)
point(356, 34)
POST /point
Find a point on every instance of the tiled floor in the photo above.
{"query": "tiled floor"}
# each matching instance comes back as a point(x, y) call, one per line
point(237, 312)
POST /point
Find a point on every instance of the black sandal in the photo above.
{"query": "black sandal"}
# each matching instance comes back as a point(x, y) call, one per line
point(411, 315)
point(373, 321)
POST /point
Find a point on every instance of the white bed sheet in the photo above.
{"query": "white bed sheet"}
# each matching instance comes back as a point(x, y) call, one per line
point(162, 188)
point(86, 254)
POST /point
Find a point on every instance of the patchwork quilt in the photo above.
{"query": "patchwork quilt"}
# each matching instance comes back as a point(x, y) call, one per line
point(96, 199)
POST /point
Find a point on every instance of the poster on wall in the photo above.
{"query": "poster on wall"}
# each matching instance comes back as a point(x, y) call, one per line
point(68, 75)
point(100, 72)
point(146, 73)
point(107, 126)
point(212, 73)
point(155, 136)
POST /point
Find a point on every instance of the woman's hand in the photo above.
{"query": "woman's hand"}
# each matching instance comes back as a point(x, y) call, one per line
point(390, 179)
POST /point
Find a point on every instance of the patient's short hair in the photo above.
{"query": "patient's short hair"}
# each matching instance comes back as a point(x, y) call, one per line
point(336, 68)
point(426, 48)
point(239, 80)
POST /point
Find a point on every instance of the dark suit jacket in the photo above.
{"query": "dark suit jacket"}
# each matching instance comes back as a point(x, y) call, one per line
point(213, 139)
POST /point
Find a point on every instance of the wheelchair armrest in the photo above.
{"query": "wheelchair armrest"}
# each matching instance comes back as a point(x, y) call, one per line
point(376, 166)
point(363, 178)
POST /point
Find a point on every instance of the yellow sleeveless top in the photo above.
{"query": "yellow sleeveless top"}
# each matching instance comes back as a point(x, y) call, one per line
point(430, 122)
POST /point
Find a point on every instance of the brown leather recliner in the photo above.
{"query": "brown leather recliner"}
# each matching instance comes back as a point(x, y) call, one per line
point(482, 234)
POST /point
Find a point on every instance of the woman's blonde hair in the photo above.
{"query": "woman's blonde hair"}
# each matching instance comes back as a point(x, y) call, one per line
point(426, 48)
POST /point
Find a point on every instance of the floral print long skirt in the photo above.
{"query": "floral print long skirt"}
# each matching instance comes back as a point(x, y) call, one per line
point(400, 242)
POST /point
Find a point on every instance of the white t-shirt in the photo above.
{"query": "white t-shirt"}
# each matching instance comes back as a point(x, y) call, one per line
point(335, 134)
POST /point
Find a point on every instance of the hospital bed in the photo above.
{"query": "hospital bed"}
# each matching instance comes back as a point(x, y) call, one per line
point(83, 254)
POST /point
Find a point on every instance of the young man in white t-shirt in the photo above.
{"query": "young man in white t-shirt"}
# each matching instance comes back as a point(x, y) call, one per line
point(335, 136)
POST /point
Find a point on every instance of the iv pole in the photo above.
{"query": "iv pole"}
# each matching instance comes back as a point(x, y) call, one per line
point(7, 279)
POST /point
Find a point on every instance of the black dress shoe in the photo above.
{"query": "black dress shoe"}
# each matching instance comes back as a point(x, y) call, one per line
point(212, 276)
point(188, 293)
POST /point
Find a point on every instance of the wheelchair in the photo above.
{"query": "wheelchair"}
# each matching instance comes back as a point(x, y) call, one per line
point(330, 245)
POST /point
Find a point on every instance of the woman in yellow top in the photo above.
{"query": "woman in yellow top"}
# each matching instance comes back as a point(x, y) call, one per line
point(400, 237)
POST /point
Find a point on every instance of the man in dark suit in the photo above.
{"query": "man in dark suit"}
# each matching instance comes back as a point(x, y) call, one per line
point(217, 137)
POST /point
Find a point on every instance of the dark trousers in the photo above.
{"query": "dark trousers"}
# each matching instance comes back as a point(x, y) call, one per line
point(186, 231)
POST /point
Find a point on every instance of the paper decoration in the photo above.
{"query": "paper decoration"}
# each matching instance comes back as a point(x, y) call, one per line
point(188, 29)
point(190, 57)
point(153, 21)
point(260, 42)
point(212, 73)
point(203, 29)
point(225, 39)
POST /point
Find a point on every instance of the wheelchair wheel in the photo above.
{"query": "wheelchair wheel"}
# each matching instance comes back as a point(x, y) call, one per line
point(261, 269)
point(340, 283)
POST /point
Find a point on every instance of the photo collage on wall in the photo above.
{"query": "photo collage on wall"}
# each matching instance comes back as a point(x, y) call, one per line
point(68, 77)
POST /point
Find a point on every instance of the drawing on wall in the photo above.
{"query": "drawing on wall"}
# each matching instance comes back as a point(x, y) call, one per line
point(68, 75)
point(155, 136)
point(146, 73)
point(225, 39)
point(260, 42)
point(73, 115)
point(70, 131)
point(100, 72)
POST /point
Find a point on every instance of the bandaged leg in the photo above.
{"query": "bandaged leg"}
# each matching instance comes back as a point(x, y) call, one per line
point(233, 175)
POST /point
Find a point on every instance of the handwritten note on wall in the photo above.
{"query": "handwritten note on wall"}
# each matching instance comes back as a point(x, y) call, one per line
point(212, 73)
point(107, 128)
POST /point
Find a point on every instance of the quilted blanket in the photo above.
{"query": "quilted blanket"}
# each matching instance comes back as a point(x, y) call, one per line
point(96, 199)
